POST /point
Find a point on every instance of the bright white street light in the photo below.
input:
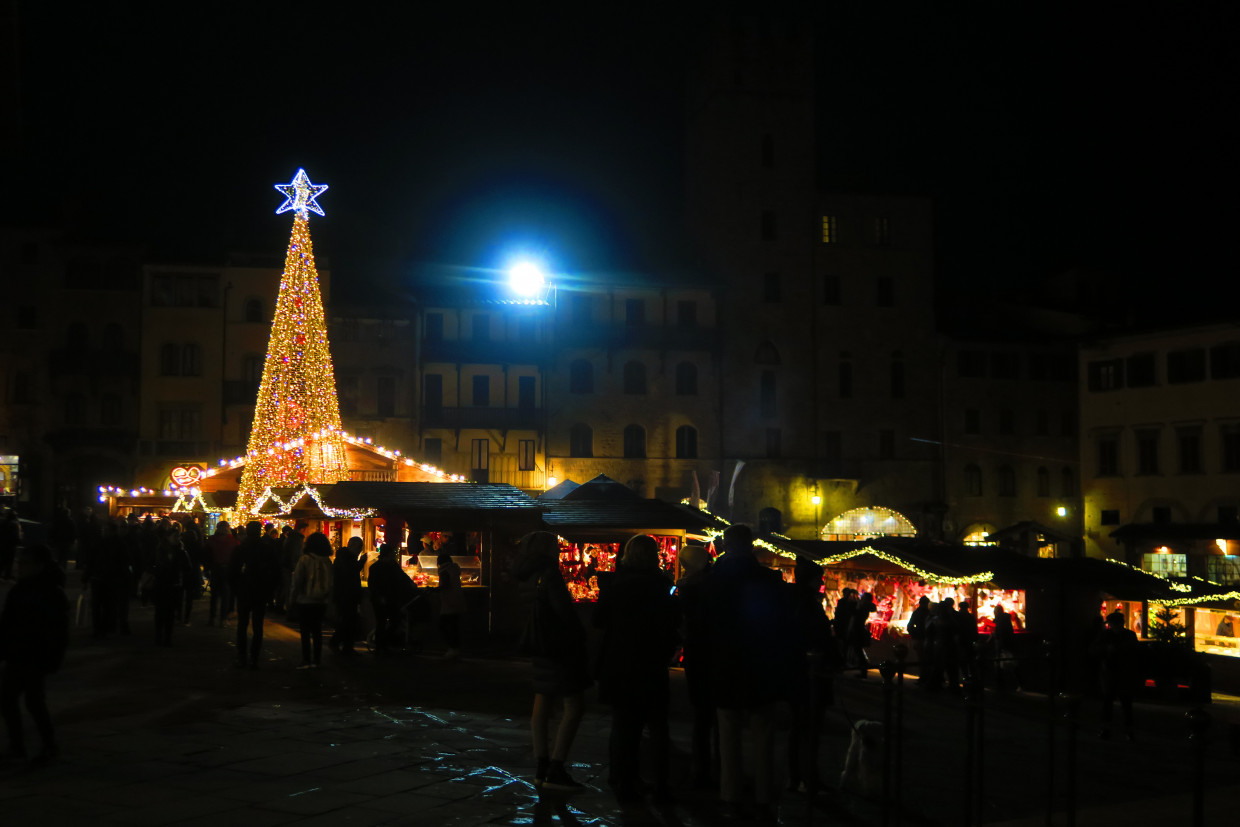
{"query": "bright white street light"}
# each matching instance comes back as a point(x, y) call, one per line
point(526, 278)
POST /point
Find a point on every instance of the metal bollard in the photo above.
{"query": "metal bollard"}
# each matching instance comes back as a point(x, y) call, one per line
point(901, 652)
point(888, 671)
point(1071, 705)
point(1198, 726)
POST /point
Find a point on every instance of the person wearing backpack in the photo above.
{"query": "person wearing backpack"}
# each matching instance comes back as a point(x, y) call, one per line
point(310, 593)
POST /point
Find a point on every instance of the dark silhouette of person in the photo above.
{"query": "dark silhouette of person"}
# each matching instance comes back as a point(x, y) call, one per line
point(219, 550)
point(34, 633)
point(311, 593)
point(171, 572)
point(191, 538)
point(859, 633)
point(1116, 651)
point(966, 638)
point(942, 648)
point(695, 565)
point(451, 603)
point(814, 687)
point(62, 535)
point(106, 575)
point(917, 631)
point(391, 593)
point(347, 595)
point(755, 646)
point(561, 673)
point(639, 617)
point(253, 574)
point(1003, 642)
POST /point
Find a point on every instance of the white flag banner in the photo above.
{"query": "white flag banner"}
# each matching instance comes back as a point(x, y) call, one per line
point(695, 493)
point(712, 490)
point(740, 463)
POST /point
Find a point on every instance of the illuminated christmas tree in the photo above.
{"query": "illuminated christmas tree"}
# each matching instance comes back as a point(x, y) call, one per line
point(296, 437)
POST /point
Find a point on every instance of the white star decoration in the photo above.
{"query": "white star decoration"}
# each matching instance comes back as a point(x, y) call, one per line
point(300, 194)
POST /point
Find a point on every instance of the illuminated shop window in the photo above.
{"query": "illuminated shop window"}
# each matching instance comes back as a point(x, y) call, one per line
point(863, 523)
point(1223, 569)
point(1165, 564)
point(978, 535)
point(1215, 632)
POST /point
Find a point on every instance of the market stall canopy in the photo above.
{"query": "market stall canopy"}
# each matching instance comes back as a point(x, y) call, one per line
point(438, 505)
point(601, 508)
point(1171, 532)
point(559, 490)
point(1121, 581)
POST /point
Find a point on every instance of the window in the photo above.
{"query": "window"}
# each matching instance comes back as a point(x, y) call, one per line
point(1147, 452)
point(1109, 516)
point(254, 310)
point(1044, 482)
point(347, 387)
point(434, 327)
point(769, 229)
point(185, 290)
point(385, 394)
point(1186, 366)
point(766, 393)
point(768, 151)
point(1007, 481)
point(1140, 369)
point(581, 441)
point(686, 442)
point(525, 393)
point(1225, 361)
point(1042, 423)
point(480, 460)
point(686, 379)
point(527, 329)
point(110, 410)
point(634, 378)
point(972, 481)
point(432, 397)
point(1108, 456)
point(1004, 365)
point(886, 444)
point(580, 377)
point(482, 391)
point(432, 450)
point(971, 364)
point(634, 312)
point(252, 371)
point(75, 409)
point(882, 231)
point(886, 292)
point(1007, 422)
point(1165, 564)
point(1189, 442)
point(770, 288)
point(191, 360)
point(1230, 443)
point(1223, 569)
point(774, 447)
point(846, 380)
point(526, 455)
point(1067, 483)
point(897, 379)
point(1106, 375)
point(634, 442)
point(972, 421)
point(686, 313)
point(830, 230)
point(832, 291)
point(169, 360)
point(179, 423)
point(482, 327)
point(1160, 514)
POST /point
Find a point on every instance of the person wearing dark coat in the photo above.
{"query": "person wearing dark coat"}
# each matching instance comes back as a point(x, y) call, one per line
point(347, 595)
point(106, 575)
point(562, 673)
point(859, 633)
point(695, 659)
point(34, 633)
point(391, 594)
point(917, 631)
point(172, 573)
point(253, 574)
point(1117, 653)
point(754, 650)
point(219, 549)
point(639, 617)
point(815, 685)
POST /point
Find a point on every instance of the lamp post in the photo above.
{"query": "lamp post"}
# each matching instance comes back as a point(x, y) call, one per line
point(816, 499)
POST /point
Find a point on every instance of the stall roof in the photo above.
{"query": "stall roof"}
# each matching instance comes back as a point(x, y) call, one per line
point(1124, 582)
point(1177, 531)
point(602, 487)
point(569, 516)
point(405, 497)
point(559, 490)
point(1018, 531)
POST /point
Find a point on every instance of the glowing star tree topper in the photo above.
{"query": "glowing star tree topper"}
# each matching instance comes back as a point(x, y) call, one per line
point(296, 437)
point(300, 194)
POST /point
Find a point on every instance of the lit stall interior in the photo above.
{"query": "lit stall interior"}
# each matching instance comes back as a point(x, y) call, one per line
point(582, 562)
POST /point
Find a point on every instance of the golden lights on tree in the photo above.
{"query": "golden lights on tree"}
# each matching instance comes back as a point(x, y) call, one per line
point(296, 437)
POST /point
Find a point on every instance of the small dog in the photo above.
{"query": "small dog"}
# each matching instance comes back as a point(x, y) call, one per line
point(863, 765)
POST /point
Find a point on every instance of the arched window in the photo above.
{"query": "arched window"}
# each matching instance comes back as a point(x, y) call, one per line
point(1044, 482)
point(581, 440)
point(75, 409)
point(897, 379)
point(686, 379)
point(686, 442)
point(1067, 483)
point(634, 442)
point(634, 378)
point(191, 360)
point(581, 377)
point(254, 310)
point(252, 371)
point(169, 360)
point(1007, 481)
point(766, 392)
point(972, 481)
point(766, 354)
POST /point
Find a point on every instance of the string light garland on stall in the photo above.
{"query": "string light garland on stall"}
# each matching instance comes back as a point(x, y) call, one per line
point(929, 577)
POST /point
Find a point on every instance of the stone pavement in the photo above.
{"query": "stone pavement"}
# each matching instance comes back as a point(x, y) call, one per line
point(153, 736)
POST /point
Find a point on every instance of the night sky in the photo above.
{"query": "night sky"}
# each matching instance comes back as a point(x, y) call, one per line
point(1046, 142)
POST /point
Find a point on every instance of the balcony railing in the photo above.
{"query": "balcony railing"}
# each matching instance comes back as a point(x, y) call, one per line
point(488, 418)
